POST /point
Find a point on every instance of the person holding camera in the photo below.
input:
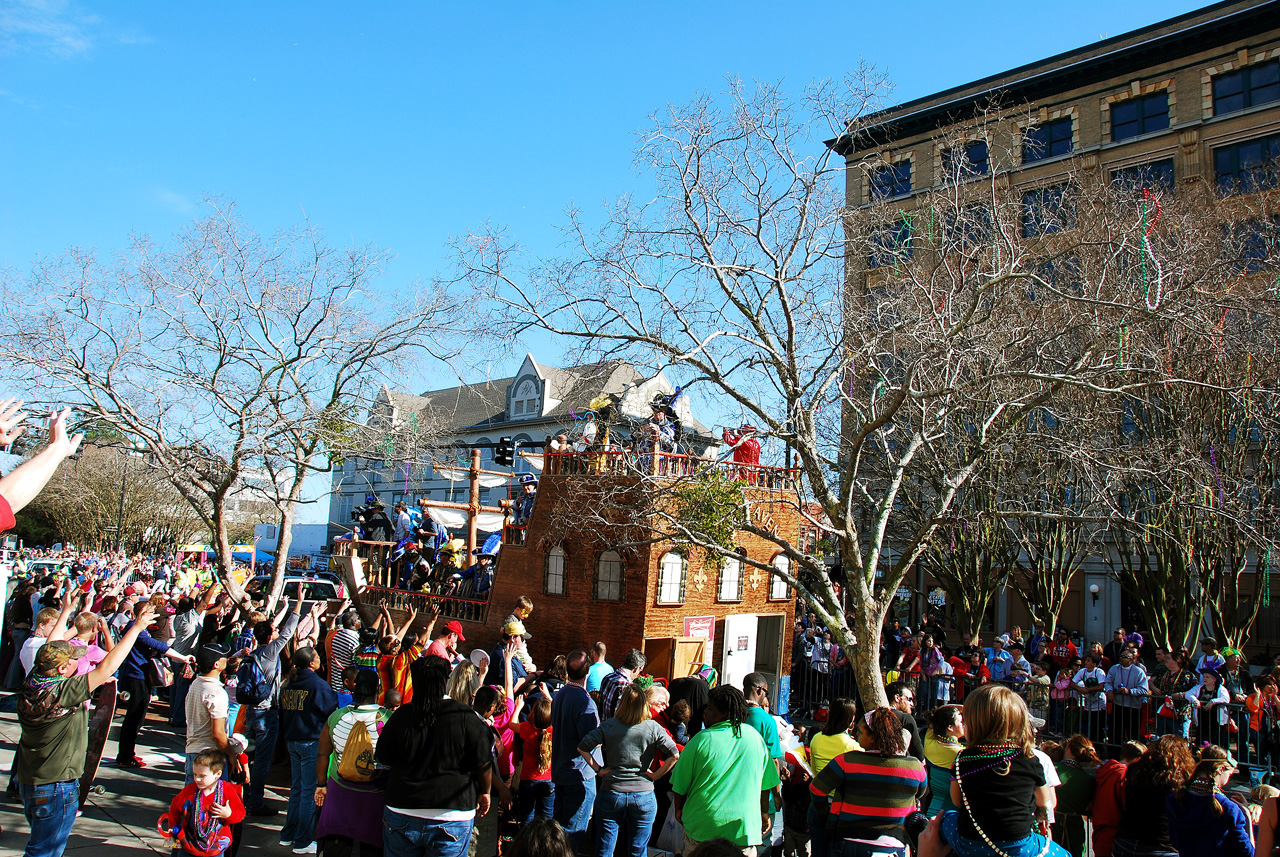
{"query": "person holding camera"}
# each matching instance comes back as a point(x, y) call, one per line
point(374, 525)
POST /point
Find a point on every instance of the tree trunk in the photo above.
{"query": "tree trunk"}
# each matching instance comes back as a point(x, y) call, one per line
point(226, 565)
point(288, 511)
point(865, 654)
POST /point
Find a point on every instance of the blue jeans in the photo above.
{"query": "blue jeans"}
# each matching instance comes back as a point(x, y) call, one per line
point(300, 821)
point(1033, 845)
point(13, 679)
point(573, 802)
point(535, 798)
point(50, 810)
point(262, 726)
point(178, 698)
point(818, 845)
point(406, 836)
point(627, 816)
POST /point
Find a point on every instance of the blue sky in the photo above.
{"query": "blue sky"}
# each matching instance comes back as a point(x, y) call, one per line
point(401, 124)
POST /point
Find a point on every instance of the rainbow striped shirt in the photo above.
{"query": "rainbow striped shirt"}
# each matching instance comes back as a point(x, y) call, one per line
point(870, 794)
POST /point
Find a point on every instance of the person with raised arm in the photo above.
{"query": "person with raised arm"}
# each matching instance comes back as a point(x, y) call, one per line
point(55, 734)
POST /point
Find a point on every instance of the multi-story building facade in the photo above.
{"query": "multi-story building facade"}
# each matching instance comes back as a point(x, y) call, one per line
point(1188, 104)
point(536, 403)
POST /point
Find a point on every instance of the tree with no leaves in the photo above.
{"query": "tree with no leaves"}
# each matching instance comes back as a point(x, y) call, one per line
point(892, 347)
point(233, 358)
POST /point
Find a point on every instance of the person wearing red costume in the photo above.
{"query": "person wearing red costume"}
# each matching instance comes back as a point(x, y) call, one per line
point(746, 451)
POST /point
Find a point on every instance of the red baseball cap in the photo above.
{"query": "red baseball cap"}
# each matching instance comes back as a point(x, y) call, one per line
point(455, 628)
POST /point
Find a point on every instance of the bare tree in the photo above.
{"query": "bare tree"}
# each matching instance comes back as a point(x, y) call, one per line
point(892, 346)
point(102, 488)
point(228, 355)
point(973, 554)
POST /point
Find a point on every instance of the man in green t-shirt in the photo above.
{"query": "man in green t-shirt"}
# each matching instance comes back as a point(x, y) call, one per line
point(721, 784)
point(55, 735)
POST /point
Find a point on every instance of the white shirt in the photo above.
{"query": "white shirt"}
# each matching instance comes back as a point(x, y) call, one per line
point(27, 657)
point(1091, 701)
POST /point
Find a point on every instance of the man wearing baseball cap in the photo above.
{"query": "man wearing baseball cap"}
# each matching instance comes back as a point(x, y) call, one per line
point(445, 645)
point(55, 735)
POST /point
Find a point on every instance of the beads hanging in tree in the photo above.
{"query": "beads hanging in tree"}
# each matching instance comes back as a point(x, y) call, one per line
point(1147, 227)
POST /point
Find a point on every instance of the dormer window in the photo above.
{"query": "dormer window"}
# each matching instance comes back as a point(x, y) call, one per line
point(525, 401)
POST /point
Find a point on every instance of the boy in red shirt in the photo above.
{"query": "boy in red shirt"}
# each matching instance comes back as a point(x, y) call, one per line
point(200, 818)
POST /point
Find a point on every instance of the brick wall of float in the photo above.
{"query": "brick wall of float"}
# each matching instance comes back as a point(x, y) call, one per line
point(576, 619)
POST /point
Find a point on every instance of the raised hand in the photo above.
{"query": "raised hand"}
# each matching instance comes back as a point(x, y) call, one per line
point(11, 418)
point(58, 439)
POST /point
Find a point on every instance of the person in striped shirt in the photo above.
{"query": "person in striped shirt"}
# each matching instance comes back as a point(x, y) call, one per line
point(870, 791)
point(343, 642)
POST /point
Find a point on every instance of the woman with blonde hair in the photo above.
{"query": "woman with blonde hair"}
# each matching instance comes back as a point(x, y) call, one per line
point(998, 782)
point(625, 805)
point(1202, 820)
point(464, 681)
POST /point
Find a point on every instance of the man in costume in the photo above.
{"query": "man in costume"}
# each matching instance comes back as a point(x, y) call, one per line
point(524, 504)
point(746, 451)
point(662, 427)
point(479, 574)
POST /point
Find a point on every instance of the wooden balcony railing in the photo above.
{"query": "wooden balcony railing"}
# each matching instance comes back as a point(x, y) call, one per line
point(667, 465)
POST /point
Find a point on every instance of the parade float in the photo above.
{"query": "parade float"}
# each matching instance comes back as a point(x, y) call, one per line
point(578, 554)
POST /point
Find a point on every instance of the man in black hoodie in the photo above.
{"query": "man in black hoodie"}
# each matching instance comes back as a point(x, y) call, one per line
point(305, 704)
point(440, 756)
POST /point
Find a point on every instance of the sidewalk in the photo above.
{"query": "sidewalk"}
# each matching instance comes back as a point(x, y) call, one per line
point(125, 816)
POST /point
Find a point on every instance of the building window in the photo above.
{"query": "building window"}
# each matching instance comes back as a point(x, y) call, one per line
point(967, 159)
point(730, 588)
point(609, 579)
point(671, 578)
point(890, 244)
point(553, 575)
point(1047, 141)
point(1157, 175)
point(890, 180)
point(1252, 244)
point(1249, 166)
point(1046, 210)
point(1055, 276)
point(525, 400)
point(967, 228)
point(1135, 116)
point(1248, 87)
point(778, 589)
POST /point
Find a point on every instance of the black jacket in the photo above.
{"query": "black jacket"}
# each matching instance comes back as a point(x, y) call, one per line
point(434, 766)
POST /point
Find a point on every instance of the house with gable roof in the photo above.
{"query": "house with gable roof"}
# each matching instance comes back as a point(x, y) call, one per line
point(531, 406)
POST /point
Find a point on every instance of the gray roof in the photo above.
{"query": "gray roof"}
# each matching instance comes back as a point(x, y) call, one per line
point(477, 407)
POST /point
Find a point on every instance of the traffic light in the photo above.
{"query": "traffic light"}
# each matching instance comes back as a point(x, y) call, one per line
point(505, 454)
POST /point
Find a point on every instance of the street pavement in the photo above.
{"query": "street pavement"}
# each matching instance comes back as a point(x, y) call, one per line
point(125, 816)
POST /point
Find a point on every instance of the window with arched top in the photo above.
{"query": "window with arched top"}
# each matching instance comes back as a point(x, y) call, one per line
point(672, 572)
point(524, 403)
point(553, 574)
point(778, 589)
point(730, 588)
point(609, 577)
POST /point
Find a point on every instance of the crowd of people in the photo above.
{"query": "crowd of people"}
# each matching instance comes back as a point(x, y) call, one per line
point(399, 743)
